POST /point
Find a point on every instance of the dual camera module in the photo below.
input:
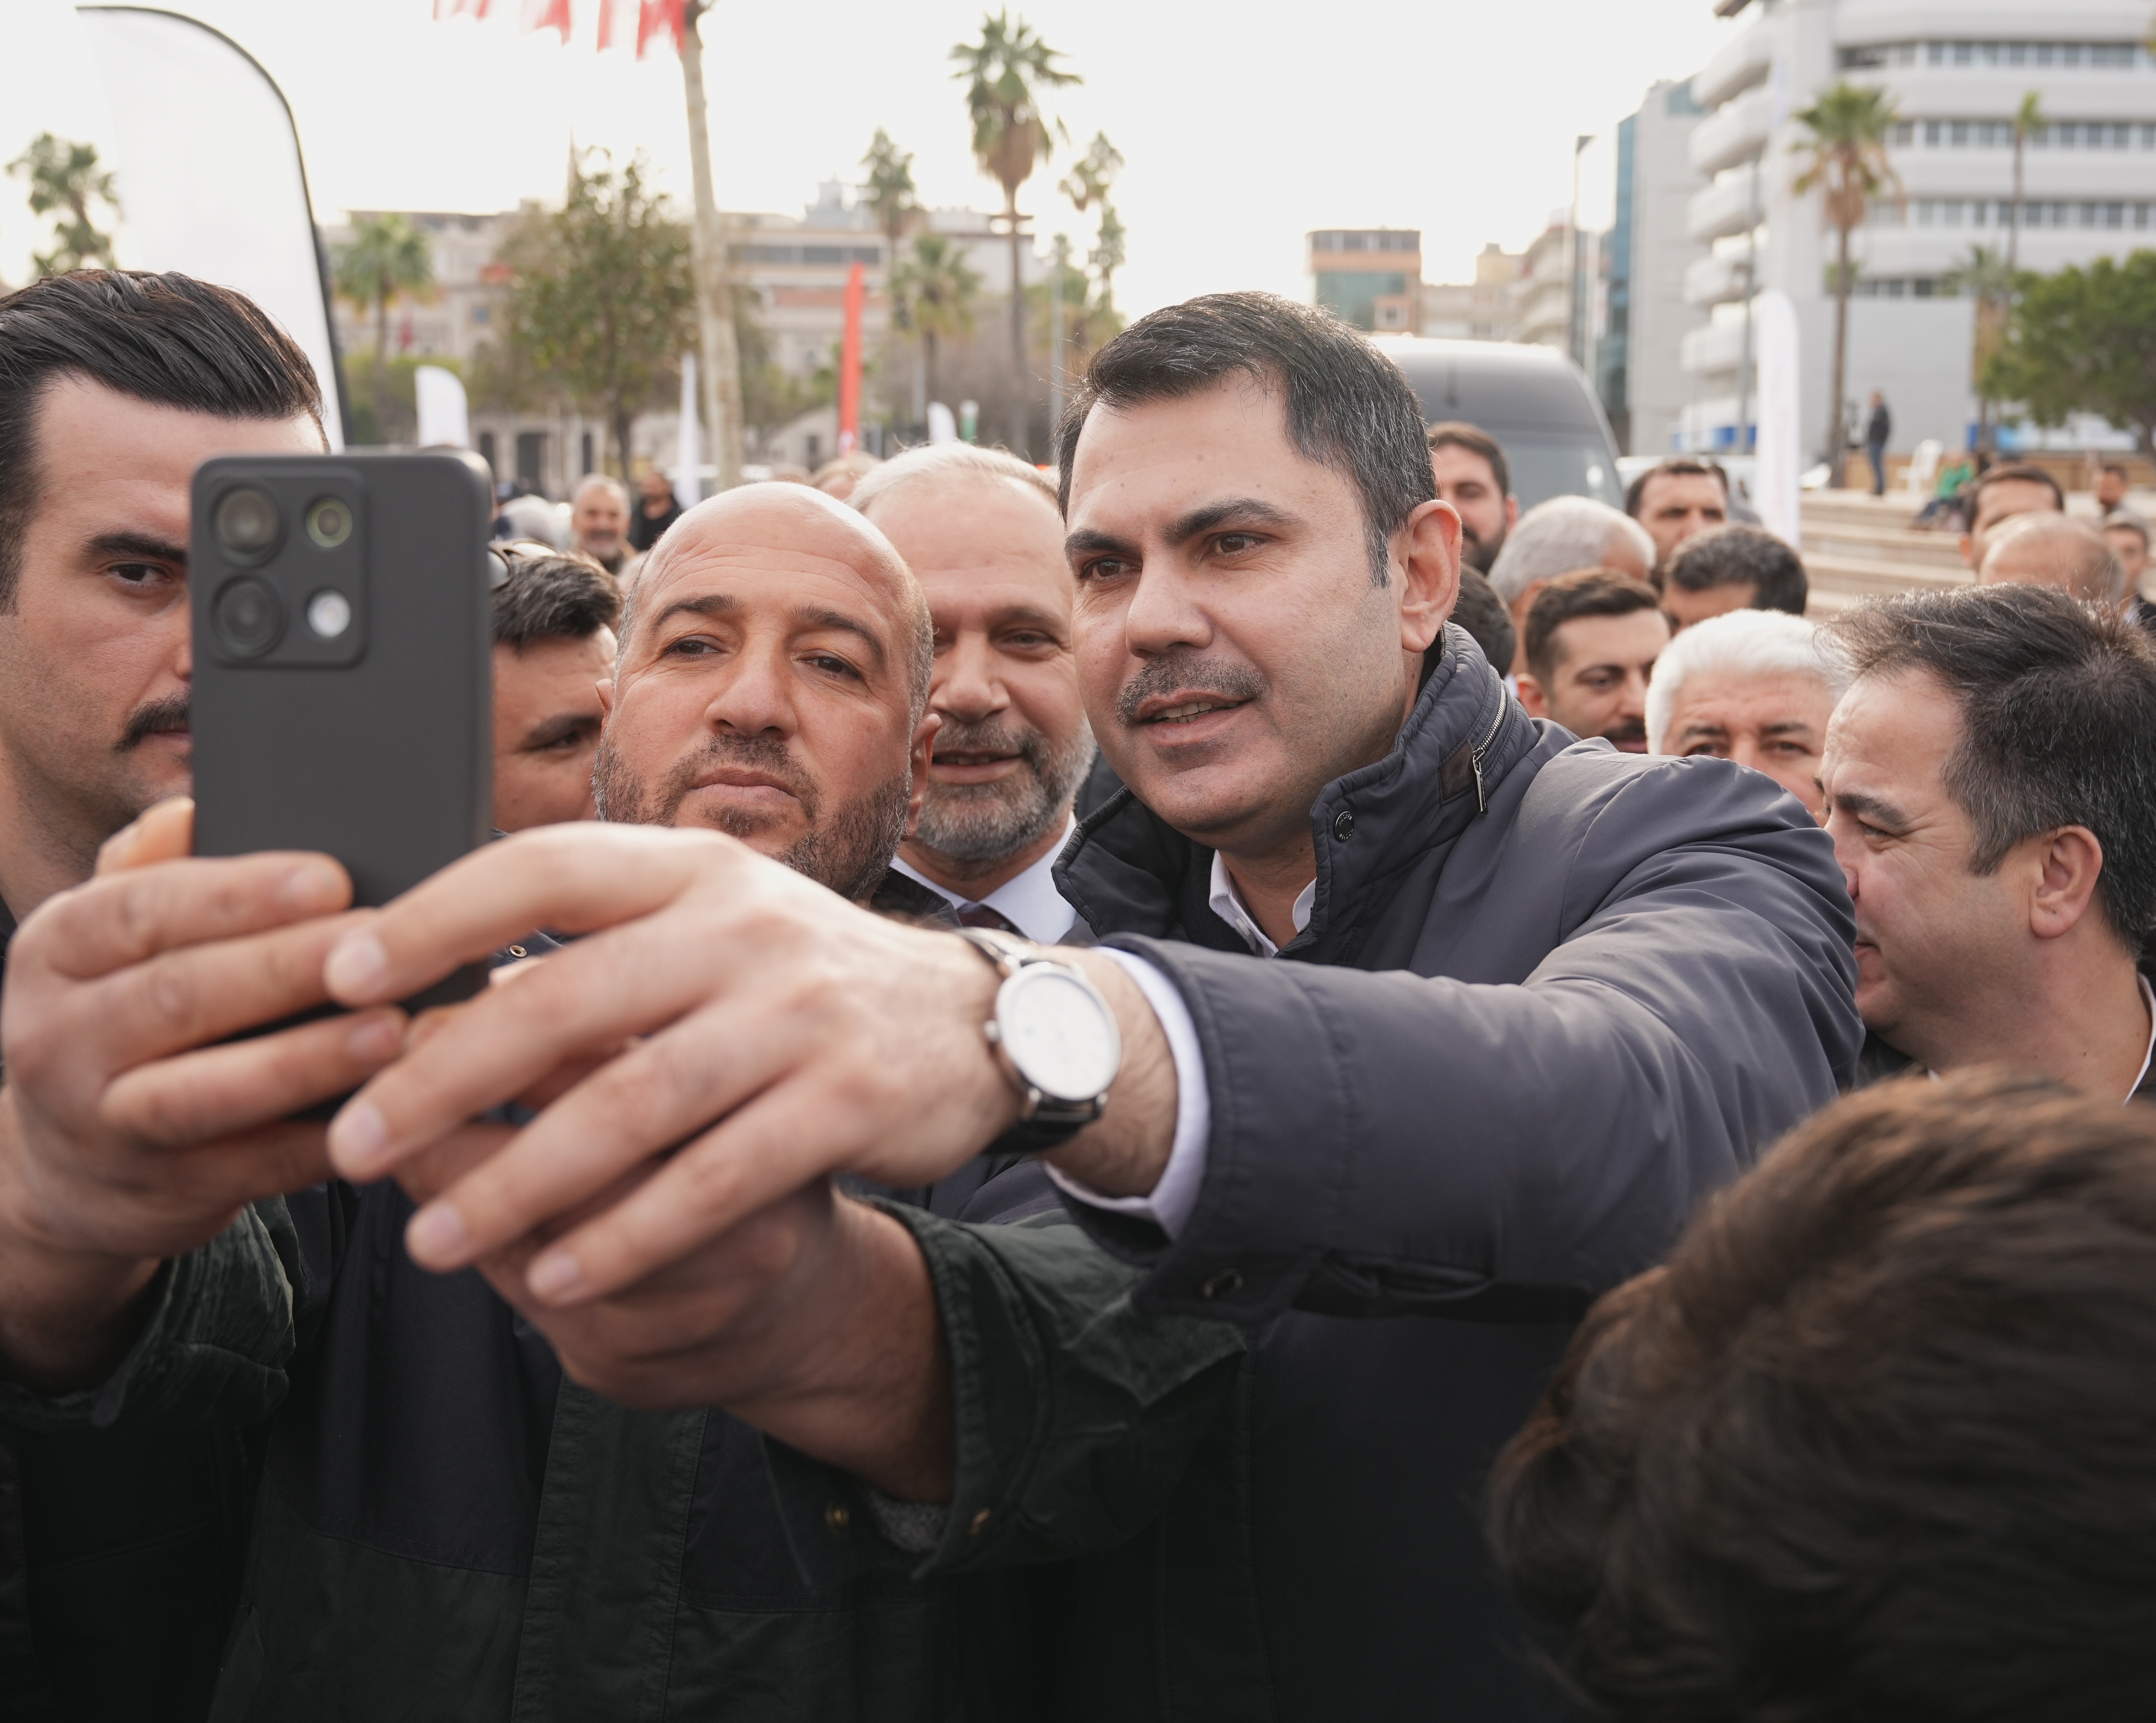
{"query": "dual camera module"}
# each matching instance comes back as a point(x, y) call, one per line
point(248, 614)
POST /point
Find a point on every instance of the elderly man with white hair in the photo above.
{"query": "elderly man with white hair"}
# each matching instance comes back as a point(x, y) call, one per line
point(1755, 686)
point(598, 521)
point(1565, 534)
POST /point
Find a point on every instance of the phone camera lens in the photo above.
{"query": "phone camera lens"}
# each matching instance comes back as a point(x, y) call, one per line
point(247, 616)
point(329, 613)
point(247, 524)
point(329, 522)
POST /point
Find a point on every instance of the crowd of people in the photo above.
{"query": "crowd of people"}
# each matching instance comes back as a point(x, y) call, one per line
point(1235, 1081)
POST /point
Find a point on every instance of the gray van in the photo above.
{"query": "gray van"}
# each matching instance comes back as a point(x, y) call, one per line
point(1533, 400)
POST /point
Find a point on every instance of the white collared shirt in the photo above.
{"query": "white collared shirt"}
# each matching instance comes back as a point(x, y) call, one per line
point(1030, 903)
point(1227, 903)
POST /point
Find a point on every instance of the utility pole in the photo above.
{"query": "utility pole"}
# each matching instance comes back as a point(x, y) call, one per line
point(715, 310)
point(1056, 338)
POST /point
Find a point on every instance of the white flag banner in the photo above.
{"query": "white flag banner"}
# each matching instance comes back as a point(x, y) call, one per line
point(1775, 490)
point(444, 414)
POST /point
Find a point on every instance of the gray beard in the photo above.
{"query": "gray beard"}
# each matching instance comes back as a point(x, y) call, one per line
point(979, 823)
point(849, 852)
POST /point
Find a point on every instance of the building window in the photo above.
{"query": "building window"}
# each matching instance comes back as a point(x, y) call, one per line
point(586, 448)
point(486, 453)
point(1905, 133)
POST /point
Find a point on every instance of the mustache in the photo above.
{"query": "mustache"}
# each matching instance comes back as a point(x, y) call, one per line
point(987, 736)
point(160, 717)
point(1185, 671)
point(1632, 730)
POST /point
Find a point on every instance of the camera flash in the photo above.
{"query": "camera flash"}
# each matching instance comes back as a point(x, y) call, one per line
point(329, 615)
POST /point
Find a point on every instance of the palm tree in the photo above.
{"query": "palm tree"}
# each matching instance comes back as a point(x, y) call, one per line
point(2028, 120)
point(936, 290)
point(387, 258)
point(890, 189)
point(1848, 126)
point(1006, 70)
point(1987, 278)
point(1087, 184)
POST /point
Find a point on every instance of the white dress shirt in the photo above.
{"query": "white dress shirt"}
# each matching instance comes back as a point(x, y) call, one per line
point(1030, 903)
point(1169, 1204)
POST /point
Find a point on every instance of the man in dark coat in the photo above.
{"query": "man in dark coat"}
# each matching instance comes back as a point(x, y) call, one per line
point(1429, 1012)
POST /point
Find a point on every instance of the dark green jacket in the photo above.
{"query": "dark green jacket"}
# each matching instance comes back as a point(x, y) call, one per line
point(444, 1528)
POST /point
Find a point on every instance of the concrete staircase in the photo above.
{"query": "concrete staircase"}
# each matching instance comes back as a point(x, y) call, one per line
point(1858, 545)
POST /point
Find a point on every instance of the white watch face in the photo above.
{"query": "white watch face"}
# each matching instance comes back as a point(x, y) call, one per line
point(1059, 1033)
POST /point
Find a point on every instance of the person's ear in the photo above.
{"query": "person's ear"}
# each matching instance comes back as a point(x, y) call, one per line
point(2066, 864)
point(924, 742)
point(1429, 565)
point(605, 687)
point(1512, 511)
point(1531, 698)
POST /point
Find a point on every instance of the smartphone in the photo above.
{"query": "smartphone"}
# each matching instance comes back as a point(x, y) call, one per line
point(343, 686)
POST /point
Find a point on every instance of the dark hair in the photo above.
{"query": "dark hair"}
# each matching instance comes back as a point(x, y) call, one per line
point(1458, 434)
point(1736, 555)
point(168, 340)
point(1482, 613)
point(2058, 706)
point(552, 595)
point(1677, 467)
point(1348, 405)
point(1874, 1443)
point(1585, 592)
point(2009, 473)
point(2112, 466)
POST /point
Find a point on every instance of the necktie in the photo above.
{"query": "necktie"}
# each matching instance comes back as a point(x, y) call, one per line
point(981, 915)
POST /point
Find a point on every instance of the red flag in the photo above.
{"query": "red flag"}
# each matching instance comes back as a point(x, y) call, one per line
point(616, 17)
point(548, 15)
point(659, 15)
point(459, 9)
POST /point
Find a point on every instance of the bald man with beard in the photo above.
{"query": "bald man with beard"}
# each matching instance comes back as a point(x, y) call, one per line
point(426, 1471)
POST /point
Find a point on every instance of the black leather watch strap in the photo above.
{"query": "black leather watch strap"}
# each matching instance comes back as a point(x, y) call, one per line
point(1044, 1122)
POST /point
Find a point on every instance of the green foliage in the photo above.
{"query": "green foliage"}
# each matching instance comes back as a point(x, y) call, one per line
point(402, 422)
point(602, 298)
point(1089, 317)
point(771, 396)
point(2083, 340)
point(1086, 185)
point(936, 290)
point(1846, 155)
point(1005, 72)
point(889, 187)
point(64, 179)
point(388, 259)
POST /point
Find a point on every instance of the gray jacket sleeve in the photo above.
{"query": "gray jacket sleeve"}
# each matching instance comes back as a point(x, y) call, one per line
point(214, 1344)
point(1389, 1142)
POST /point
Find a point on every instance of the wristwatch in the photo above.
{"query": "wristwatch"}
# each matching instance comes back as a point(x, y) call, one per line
point(1055, 1037)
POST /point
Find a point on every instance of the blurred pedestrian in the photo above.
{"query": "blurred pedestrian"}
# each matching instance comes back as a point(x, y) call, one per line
point(598, 521)
point(1987, 790)
point(2111, 486)
point(2126, 533)
point(1755, 686)
point(2048, 550)
point(657, 508)
point(1592, 640)
point(525, 514)
point(1473, 476)
point(1878, 428)
point(1733, 567)
point(1871, 1444)
point(1480, 612)
point(838, 476)
point(1676, 498)
point(554, 618)
point(981, 531)
point(2000, 493)
point(1558, 536)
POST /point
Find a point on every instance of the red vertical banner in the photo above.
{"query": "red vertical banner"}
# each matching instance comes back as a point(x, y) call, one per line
point(849, 363)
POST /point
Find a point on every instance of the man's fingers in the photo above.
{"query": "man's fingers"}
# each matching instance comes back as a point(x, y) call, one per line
point(187, 998)
point(745, 1162)
point(127, 917)
point(164, 832)
point(627, 981)
point(660, 1091)
point(200, 1096)
point(574, 877)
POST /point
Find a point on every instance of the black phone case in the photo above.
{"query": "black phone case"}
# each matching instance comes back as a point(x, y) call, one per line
point(376, 746)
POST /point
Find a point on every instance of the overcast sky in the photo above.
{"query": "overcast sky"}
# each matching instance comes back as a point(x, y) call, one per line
point(1242, 125)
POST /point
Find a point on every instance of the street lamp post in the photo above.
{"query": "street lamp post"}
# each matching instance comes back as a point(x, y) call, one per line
point(1055, 338)
point(1574, 331)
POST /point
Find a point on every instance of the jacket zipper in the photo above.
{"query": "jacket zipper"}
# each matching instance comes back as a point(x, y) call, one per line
point(1475, 753)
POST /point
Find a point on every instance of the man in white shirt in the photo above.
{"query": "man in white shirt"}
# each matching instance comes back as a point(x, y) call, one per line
point(982, 533)
point(1987, 792)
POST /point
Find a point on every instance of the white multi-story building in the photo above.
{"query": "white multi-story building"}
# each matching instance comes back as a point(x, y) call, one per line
point(1958, 71)
point(1639, 360)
